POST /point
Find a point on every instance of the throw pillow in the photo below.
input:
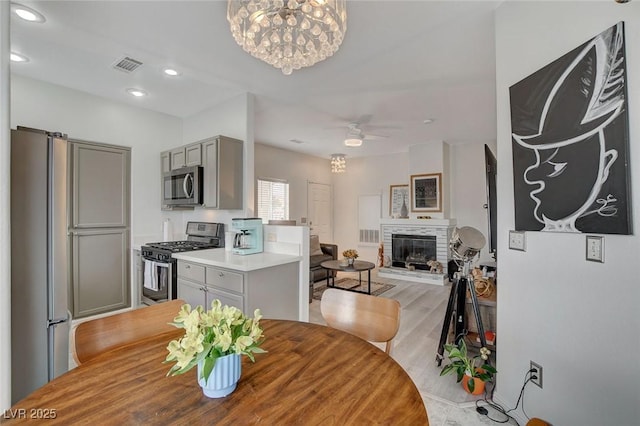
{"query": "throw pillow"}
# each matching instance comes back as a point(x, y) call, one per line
point(314, 245)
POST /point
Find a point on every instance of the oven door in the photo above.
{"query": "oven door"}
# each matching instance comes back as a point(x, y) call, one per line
point(159, 281)
point(182, 187)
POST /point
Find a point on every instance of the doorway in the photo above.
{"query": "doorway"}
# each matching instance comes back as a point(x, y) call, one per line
point(320, 210)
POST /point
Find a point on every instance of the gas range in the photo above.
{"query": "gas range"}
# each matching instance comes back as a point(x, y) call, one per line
point(200, 236)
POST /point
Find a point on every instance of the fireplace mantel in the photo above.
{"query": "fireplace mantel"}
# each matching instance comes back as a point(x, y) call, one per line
point(419, 222)
point(441, 228)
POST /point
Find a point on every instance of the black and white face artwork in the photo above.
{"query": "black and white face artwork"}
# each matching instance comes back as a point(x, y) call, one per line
point(570, 137)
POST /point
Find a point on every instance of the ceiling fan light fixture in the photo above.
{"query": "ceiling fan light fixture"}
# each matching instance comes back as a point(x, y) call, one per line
point(338, 163)
point(353, 141)
point(288, 34)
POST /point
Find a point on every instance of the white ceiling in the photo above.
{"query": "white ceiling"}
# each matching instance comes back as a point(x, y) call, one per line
point(401, 62)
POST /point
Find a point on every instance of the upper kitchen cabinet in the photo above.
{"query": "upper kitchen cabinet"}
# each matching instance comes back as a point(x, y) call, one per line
point(222, 167)
point(221, 159)
point(165, 162)
point(186, 156)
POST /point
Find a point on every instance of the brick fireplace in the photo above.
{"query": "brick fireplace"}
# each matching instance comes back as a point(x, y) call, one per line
point(410, 243)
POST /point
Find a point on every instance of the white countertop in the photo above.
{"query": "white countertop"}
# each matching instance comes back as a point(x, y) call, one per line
point(244, 263)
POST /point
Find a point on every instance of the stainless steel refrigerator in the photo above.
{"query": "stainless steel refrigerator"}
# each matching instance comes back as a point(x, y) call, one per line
point(39, 260)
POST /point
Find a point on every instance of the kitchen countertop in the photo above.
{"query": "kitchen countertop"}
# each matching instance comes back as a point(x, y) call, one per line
point(226, 259)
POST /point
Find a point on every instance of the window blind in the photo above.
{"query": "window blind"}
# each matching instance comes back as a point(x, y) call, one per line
point(273, 200)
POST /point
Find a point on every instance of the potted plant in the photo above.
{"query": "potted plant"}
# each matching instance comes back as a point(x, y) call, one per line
point(350, 255)
point(214, 340)
point(468, 370)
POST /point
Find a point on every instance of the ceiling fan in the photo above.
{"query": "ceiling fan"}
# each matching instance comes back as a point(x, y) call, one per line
point(355, 135)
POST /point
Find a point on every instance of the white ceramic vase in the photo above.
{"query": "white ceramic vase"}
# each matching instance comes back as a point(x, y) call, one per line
point(224, 376)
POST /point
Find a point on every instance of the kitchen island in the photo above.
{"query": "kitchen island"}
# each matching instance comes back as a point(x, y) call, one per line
point(266, 281)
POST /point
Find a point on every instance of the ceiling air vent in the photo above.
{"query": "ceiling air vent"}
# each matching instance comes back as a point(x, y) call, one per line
point(127, 64)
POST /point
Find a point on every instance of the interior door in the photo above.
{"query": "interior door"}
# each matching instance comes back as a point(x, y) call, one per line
point(320, 211)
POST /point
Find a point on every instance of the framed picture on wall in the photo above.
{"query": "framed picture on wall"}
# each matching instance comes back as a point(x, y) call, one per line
point(398, 197)
point(426, 193)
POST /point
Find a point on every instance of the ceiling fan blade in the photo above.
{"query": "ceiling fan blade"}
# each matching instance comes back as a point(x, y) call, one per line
point(370, 137)
point(364, 119)
point(376, 127)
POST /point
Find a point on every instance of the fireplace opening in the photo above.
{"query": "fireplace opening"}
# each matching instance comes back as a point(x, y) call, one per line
point(413, 251)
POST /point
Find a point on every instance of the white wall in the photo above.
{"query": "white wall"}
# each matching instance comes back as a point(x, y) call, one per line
point(577, 319)
point(233, 118)
point(468, 192)
point(364, 176)
point(464, 187)
point(5, 208)
point(50, 107)
point(428, 158)
point(295, 168)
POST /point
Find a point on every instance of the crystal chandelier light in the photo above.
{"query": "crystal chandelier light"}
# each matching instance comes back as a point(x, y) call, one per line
point(288, 34)
point(338, 163)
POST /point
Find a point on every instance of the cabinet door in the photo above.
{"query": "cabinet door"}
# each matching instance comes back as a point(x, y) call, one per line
point(210, 170)
point(230, 173)
point(192, 293)
point(139, 278)
point(99, 271)
point(165, 162)
point(100, 186)
point(193, 155)
point(224, 297)
point(178, 159)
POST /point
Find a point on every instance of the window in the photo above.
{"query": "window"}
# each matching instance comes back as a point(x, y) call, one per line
point(273, 200)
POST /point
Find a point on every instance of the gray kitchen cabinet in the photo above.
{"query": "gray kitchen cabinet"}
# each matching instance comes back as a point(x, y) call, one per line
point(99, 273)
point(192, 293)
point(222, 160)
point(194, 285)
point(98, 224)
point(165, 162)
point(186, 156)
point(273, 290)
point(139, 276)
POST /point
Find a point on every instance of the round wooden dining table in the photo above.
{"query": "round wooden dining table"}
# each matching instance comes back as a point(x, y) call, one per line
point(310, 375)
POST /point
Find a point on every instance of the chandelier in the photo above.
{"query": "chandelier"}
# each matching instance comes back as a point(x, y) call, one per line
point(288, 34)
point(338, 163)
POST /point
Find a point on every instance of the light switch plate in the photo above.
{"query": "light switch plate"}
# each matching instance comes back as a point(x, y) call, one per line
point(595, 248)
point(517, 240)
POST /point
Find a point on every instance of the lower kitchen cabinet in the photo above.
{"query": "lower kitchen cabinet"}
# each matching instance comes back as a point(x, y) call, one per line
point(273, 290)
point(99, 283)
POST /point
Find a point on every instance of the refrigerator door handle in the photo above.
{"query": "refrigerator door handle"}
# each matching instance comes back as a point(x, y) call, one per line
point(56, 321)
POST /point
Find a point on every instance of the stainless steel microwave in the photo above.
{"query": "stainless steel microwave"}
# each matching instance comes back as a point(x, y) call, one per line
point(182, 187)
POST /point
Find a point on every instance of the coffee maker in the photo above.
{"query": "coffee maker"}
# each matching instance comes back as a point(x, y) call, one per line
point(248, 238)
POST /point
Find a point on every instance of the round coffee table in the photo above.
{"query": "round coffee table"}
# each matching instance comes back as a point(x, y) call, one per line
point(357, 266)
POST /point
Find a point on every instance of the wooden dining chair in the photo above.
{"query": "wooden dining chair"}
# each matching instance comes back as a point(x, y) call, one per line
point(371, 318)
point(94, 337)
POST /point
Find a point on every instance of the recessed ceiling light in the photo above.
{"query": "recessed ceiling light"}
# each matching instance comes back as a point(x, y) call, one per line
point(136, 92)
point(171, 72)
point(27, 13)
point(16, 57)
point(429, 121)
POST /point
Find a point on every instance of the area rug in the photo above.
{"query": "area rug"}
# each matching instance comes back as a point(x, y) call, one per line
point(353, 284)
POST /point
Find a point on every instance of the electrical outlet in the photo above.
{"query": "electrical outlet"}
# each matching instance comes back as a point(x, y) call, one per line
point(538, 373)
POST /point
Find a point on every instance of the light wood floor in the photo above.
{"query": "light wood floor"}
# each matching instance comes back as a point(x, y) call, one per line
point(415, 347)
